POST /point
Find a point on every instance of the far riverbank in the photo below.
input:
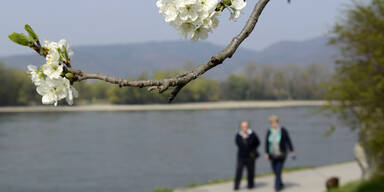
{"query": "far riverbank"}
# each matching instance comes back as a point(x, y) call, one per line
point(165, 107)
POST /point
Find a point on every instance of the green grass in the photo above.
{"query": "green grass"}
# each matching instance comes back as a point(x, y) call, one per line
point(372, 185)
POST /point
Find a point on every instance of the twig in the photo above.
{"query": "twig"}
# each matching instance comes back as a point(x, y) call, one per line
point(182, 79)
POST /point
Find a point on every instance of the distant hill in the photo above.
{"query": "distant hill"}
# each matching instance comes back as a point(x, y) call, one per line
point(300, 53)
point(131, 59)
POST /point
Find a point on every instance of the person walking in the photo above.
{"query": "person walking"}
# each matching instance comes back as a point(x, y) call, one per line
point(247, 143)
point(277, 145)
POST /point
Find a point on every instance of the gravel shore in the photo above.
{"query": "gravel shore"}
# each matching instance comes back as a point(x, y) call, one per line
point(162, 107)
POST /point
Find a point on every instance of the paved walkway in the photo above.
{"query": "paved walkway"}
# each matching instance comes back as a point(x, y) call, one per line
point(309, 180)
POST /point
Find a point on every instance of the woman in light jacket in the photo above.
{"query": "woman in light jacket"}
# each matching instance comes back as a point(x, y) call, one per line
point(277, 145)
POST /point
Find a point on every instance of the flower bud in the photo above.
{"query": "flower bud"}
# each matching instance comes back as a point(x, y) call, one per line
point(227, 2)
point(69, 76)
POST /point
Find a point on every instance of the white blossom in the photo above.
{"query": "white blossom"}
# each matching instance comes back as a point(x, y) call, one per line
point(186, 28)
point(54, 90)
point(237, 6)
point(53, 57)
point(200, 33)
point(194, 19)
point(189, 10)
point(49, 79)
point(71, 94)
point(53, 67)
point(52, 70)
point(34, 72)
point(235, 14)
point(54, 46)
point(63, 44)
point(168, 9)
point(50, 45)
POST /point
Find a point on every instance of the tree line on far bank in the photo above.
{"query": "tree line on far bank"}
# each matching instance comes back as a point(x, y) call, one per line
point(289, 82)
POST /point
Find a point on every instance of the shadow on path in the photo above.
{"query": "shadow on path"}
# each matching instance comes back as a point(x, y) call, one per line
point(288, 185)
point(258, 185)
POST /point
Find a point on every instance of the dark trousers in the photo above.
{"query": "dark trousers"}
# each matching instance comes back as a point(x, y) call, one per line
point(249, 163)
point(277, 167)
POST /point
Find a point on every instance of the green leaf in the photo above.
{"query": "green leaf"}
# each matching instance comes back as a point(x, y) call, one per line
point(31, 33)
point(65, 53)
point(61, 53)
point(21, 39)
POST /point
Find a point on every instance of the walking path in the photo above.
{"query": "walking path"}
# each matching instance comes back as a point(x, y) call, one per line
point(308, 180)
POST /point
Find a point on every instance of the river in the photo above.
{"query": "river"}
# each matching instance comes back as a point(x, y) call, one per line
point(141, 151)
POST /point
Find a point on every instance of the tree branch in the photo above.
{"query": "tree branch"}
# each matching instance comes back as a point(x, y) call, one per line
point(183, 79)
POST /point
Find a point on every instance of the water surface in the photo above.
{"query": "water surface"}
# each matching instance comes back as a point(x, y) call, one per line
point(140, 151)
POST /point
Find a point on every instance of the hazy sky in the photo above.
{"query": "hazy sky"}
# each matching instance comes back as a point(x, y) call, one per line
point(85, 22)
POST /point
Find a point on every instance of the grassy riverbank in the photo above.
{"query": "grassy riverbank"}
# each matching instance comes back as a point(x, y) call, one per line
point(163, 107)
point(372, 185)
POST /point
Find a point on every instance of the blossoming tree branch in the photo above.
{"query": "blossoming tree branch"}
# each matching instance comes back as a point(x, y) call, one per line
point(194, 19)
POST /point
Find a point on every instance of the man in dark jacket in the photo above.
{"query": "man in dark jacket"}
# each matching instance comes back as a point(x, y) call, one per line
point(247, 143)
point(277, 145)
